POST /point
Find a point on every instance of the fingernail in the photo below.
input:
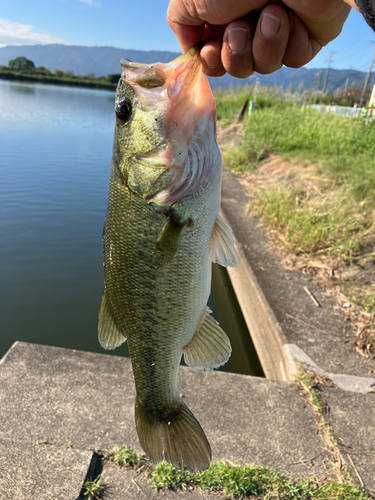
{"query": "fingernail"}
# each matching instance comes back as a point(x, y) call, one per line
point(269, 25)
point(238, 39)
point(212, 59)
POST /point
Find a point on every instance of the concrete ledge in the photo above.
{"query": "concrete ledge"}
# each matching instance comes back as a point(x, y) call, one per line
point(41, 472)
point(266, 332)
point(87, 400)
point(77, 402)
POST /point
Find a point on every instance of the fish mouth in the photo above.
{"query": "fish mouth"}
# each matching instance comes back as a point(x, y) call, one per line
point(180, 92)
point(156, 74)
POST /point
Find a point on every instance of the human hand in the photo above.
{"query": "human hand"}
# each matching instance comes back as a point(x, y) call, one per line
point(243, 36)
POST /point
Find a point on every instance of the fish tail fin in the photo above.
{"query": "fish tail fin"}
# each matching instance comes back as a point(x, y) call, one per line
point(177, 437)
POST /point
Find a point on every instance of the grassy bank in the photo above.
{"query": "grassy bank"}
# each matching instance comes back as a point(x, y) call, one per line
point(312, 180)
point(344, 148)
point(335, 215)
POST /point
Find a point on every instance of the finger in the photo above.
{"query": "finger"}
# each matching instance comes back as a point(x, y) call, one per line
point(188, 18)
point(187, 36)
point(236, 54)
point(324, 20)
point(270, 39)
point(300, 49)
point(211, 59)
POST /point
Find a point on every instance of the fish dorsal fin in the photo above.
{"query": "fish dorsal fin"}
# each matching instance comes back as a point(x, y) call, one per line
point(222, 249)
point(110, 336)
point(209, 348)
point(169, 240)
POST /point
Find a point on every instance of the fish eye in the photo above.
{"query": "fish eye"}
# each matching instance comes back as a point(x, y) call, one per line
point(124, 110)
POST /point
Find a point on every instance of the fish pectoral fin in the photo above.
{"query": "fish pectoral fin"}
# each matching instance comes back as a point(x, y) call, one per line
point(169, 240)
point(222, 249)
point(209, 348)
point(110, 336)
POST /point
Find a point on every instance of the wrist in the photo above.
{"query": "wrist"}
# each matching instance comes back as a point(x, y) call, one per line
point(352, 4)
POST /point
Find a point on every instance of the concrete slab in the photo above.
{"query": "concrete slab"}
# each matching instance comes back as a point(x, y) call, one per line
point(87, 400)
point(67, 397)
point(352, 417)
point(41, 472)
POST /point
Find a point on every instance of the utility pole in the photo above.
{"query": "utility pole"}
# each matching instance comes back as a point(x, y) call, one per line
point(319, 77)
point(327, 71)
point(256, 89)
point(316, 86)
point(367, 80)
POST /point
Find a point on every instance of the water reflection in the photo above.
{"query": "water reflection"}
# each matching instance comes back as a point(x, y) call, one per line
point(23, 89)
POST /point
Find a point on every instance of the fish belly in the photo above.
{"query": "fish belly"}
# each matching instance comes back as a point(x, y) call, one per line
point(158, 309)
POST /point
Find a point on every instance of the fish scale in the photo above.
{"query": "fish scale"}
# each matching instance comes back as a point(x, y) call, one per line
point(162, 230)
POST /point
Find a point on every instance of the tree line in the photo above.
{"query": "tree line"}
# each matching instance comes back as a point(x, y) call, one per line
point(22, 68)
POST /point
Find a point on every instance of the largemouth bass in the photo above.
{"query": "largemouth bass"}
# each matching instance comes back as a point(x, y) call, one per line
point(162, 231)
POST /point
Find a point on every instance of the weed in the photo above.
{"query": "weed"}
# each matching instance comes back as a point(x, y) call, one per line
point(345, 148)
point(229, 102)
point(339, 491)
point(43, 441)
point(310, 387)
point(92, 489)
point(251, 480)
point(309, 226)
point(124, 456)
point(236, 481)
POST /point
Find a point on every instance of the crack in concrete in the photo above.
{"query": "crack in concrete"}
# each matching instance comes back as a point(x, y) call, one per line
point(350, 383)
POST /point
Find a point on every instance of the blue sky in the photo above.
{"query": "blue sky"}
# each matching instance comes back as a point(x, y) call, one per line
point(133, 24)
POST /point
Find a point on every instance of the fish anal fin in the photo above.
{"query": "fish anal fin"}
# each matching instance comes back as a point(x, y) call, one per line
point(169, 240)
point(175, 437)
point(209, 348)
point(110, 336)
point(222, 249)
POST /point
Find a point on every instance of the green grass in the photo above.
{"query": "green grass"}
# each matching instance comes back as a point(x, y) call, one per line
point(342, 150)
point(124, 456)
point(251, 480)
point(363, 298)
point(333, 227)
point(92, 489)
point(310, 384)
point(235, 481)
point(229, 102)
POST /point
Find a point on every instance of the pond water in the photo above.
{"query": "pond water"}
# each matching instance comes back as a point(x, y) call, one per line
point(55, 153)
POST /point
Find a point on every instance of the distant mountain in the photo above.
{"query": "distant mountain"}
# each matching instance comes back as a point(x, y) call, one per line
point(80, 59)
point(106, 60)
point(306, 79)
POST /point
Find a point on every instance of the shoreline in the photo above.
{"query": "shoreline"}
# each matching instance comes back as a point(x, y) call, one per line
point(12, 76)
